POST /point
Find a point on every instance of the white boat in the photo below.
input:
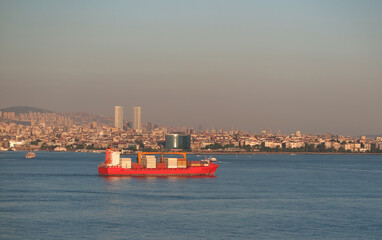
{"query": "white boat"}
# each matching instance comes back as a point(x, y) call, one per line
point(30, 155)
point(212, 159)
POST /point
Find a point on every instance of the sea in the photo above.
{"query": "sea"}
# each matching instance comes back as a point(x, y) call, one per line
point(61, 196)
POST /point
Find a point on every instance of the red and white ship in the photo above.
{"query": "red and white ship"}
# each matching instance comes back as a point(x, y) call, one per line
point(30, 155)
point(147, 165)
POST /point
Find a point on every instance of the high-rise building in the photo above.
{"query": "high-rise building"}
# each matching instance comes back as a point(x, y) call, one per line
point(137, 118)
point(298, 133)
point(118, 117)
point(178, 141)
point(149, 126)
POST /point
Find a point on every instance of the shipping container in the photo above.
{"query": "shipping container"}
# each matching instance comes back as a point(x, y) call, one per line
point(161, 165)
point(171, 162)
point(182, 163)
point(126, 162)
point(136, 165)
point(148, 161)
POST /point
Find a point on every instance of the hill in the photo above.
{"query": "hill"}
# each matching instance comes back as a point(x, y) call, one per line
point(25, 109)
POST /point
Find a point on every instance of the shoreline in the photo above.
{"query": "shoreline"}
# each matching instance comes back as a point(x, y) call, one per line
point(224, 153)
point(281, 153)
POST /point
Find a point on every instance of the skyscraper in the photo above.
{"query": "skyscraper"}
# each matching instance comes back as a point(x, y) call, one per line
point(118, 117)
point(178, 141)
point(136, 118)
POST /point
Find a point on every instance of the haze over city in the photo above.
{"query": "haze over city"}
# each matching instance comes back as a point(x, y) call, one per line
point(313, 66)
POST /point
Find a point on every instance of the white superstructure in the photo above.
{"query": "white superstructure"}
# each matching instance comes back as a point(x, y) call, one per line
point(115, 158)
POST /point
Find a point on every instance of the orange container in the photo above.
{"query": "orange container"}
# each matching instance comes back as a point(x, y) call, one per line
point(136, 165)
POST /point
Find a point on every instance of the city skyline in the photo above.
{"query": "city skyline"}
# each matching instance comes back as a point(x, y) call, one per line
point(19, 114)
point(307, 65)
point(80, 132)
point(131, 116)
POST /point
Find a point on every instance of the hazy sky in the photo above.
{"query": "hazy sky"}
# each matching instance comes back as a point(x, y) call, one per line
point(309, 65)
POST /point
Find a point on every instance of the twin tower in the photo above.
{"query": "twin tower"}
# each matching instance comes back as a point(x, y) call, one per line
point(118, 117)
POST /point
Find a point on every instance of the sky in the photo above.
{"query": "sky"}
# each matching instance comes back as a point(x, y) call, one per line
point(308, 65)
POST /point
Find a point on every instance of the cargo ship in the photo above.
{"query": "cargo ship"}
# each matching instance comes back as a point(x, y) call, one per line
point(147, 165)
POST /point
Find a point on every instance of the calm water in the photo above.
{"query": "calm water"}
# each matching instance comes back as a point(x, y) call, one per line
point(60, 196)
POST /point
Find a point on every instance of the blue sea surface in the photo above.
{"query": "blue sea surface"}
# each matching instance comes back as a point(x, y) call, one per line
point(61, 196)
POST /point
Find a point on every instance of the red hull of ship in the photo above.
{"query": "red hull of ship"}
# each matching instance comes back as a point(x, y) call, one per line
point(189, 171)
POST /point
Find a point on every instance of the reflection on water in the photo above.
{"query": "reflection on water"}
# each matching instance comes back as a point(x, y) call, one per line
point(111, 179)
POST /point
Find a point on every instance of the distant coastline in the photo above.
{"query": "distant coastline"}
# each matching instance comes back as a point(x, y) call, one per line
point(282, 153)
point(230, 153)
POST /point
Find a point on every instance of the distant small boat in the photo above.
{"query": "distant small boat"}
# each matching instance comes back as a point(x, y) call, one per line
point(212, 159)
point(30, 155)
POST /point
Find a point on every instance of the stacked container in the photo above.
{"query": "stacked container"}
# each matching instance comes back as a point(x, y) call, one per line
point(126, 162)
point(171, 162)
point(194, 164)
point(182, 163)
point(149, 161)
point(136, 165)
point(161, 165)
